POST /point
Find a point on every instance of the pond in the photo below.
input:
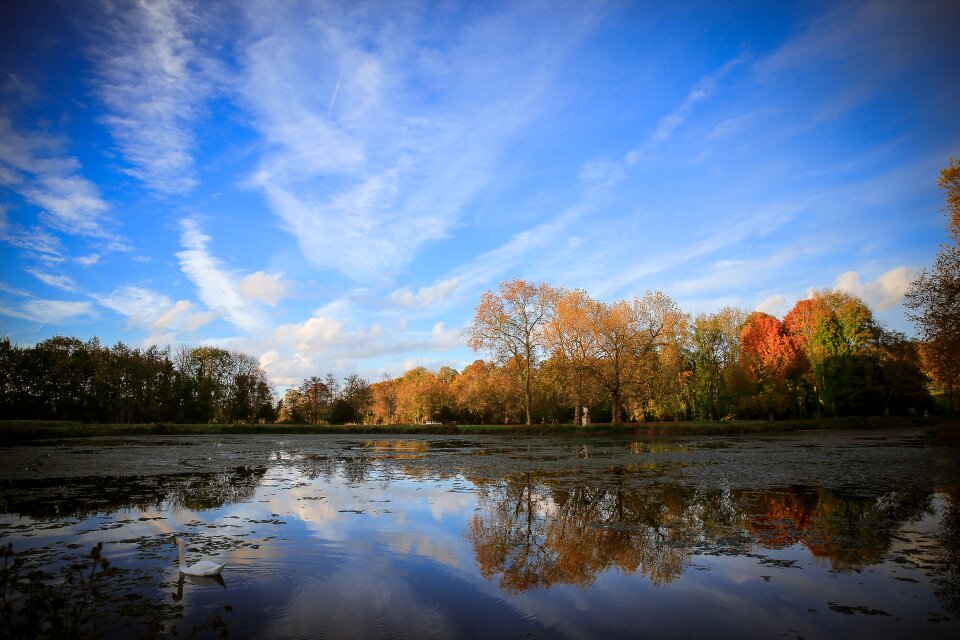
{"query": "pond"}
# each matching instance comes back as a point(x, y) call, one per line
point(796, 535)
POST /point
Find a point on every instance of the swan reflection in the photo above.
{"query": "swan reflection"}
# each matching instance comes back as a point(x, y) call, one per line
point(200, 581)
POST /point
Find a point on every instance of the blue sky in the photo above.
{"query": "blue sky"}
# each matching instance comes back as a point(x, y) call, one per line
point(330, 186)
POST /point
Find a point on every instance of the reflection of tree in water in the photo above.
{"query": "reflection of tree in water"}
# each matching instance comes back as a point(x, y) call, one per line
point(215, 490)
point(947, 580)
point(356, 469)
point(537, 536)
point(83, 497)
point(536, 531)
point(849, 531)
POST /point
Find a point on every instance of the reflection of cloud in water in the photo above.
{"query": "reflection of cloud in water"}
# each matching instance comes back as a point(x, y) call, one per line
point(418, 512)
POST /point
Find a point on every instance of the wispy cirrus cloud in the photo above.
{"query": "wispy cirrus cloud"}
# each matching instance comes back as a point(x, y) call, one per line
point(843, 57)
point(380, 128)
point(217, 287)
point(154, 311)
point(424, 296)
point(49, 312)
point(34, 240)
point(36, 165)
point(153, 79)
point(60, 281)
point(703, 89)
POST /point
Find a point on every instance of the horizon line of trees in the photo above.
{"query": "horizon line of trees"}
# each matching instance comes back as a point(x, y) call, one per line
point(556, 351)
point(633, 360)
point(64, 378)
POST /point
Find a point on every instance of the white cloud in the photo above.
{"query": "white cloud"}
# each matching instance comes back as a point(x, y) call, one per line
point(315, 334)
point(776, 305)
point(425, 296)
point(706, 87)
point(4, 287)
point(35, 166)
point(709, 243)
point(49, 311)
point(140, 305)
point(288, 370)
point(269, 289)
point(87, 260)
point(154, 311)
point(182, 315)
point(403, 135)
point(443, 339)
point(152, 79)
point(326, 342)
point(883, 293)
point(64, 282)
point(217, 288)
point(35, 240)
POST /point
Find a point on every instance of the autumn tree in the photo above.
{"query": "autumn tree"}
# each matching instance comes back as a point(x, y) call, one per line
point(384, 409)
point(774, 361)
point(358, 394)
point(613, 352)
point(315, 400)
point(836, 331)
point(482, 393)
point(934, 298)
point(414, 395)
point(658, 372)
point(442, 402)
point(572, 341)
point(510, 325)
point(291, 407)
point(714, 348)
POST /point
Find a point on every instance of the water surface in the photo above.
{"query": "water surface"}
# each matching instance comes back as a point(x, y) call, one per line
point(795, 535)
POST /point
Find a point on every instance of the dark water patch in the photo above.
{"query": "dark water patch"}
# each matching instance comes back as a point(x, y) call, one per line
point(851, 610)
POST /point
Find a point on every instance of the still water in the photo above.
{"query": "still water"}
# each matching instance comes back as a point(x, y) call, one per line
point(807, 535)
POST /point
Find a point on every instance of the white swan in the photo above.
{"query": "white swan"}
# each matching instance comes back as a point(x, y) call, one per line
point(202, 568)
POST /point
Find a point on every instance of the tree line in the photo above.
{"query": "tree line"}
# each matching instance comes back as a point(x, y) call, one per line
point(557, 354)
point(66, 378)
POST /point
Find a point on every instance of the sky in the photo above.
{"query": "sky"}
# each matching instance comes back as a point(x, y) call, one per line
point(331, 186)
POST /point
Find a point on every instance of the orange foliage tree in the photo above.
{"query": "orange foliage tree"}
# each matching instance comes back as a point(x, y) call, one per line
point(571, 338)
point(773, 359)
point(510, 325)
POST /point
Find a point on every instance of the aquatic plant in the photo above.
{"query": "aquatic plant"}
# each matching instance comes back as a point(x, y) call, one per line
point(74, 602)
point(35, 604)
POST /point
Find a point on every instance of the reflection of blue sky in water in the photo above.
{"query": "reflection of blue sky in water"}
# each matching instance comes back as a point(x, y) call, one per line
point(381, 550)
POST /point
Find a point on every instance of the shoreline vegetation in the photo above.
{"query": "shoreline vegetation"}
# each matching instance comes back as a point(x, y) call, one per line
point(938, 429)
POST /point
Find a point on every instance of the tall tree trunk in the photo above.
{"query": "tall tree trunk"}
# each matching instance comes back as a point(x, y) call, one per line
point(616, 416)
point(527, 394)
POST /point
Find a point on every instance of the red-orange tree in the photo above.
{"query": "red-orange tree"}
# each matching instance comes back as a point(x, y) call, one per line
point(773, 360)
